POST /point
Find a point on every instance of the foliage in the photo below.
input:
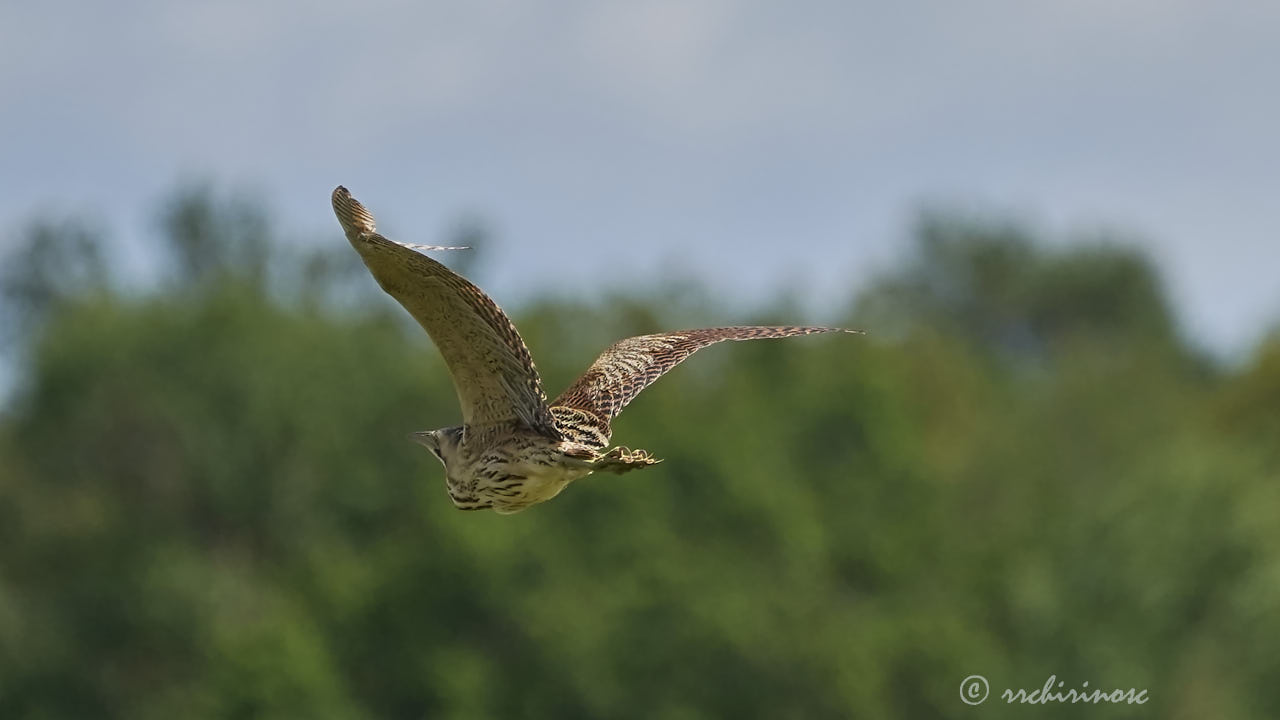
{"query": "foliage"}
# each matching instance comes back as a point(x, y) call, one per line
point(208, 507)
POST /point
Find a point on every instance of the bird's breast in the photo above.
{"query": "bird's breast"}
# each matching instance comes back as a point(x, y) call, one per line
point(513, 482)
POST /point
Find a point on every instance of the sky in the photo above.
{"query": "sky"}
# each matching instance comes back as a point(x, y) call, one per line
point(755, 147)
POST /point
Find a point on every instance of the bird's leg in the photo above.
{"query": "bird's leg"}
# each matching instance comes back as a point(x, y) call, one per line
point(622, 459)
point(578, 455)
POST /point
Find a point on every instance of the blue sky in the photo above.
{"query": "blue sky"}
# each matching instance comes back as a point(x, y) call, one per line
point(758, 145)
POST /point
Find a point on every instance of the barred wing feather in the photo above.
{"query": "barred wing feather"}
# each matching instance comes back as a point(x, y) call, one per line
point(492, 369)
point(629, 366)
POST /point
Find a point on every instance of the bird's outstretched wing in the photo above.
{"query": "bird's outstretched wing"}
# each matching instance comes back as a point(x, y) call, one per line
point(491, 367)
point(628, 366)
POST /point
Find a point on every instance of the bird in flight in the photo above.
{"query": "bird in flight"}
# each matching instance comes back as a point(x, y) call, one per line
point(513, 448)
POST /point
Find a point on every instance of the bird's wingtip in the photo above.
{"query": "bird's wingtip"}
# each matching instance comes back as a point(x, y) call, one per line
point(351, 213)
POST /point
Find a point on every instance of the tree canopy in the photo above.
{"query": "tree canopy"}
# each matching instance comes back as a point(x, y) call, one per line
point(208, 507)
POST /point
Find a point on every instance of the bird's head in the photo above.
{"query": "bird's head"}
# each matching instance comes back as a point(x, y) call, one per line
point(442, 443)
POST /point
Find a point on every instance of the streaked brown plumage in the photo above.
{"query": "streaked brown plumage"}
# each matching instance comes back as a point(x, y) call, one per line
point(514, 449)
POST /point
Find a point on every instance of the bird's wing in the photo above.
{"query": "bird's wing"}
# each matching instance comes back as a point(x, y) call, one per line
point(491, 367)
point(629, 366)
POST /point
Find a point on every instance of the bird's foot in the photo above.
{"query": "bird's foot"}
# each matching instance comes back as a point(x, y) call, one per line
point(622, 459)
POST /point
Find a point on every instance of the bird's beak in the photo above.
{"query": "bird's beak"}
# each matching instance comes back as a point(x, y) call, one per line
point(424, 437)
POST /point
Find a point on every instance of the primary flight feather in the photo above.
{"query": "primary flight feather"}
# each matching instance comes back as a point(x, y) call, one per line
point(514, 449)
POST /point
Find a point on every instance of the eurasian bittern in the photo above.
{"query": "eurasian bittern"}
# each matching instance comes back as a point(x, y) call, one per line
point(514, 449)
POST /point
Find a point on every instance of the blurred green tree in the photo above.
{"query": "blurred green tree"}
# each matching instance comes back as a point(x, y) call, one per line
point(208, 508)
